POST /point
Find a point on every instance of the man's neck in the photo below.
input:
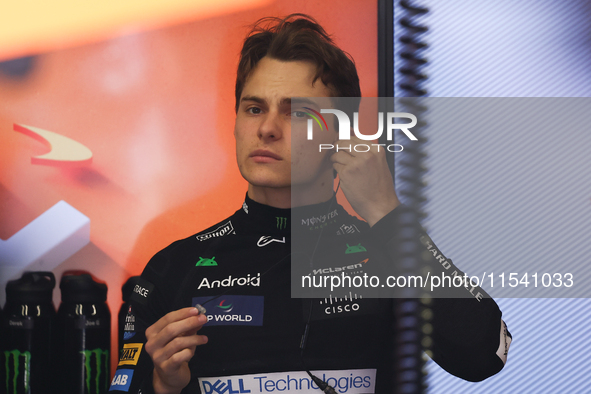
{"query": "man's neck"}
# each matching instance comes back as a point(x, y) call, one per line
point(284, 198)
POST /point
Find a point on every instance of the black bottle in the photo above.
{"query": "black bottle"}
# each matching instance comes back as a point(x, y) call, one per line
point(84, 336)
point(126, 292)
point(28, 332)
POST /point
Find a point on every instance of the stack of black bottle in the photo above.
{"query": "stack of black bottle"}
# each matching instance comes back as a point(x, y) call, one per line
point(44, 352)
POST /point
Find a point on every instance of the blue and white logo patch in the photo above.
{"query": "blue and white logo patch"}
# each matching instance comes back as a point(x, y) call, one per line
point(128, 335)
point(233, 310)
point(351, 381)
point(122, 380)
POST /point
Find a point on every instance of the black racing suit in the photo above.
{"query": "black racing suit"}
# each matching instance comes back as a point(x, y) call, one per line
point(239, 270)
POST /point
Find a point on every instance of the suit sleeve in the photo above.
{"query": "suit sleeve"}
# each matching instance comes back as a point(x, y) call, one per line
point(148, 303)
point(469, 338)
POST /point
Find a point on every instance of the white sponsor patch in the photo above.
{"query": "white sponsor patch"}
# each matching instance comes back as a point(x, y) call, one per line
point(314, 220)
point(230, 281)
point(224, 229)
point(351, 381)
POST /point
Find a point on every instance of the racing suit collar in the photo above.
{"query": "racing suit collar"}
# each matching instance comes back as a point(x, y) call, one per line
point(279, 220)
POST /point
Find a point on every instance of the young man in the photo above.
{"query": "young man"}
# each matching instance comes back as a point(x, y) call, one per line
point(239, 269)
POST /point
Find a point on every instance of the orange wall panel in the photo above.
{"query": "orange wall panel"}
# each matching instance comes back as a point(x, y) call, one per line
point(156, 109)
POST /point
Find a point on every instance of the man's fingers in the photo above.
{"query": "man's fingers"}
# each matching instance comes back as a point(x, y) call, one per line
point(355, 146)
point(348, 150)
point(343, 158)
point(180, 344)
point(344, 148)
point(187, 326)
point(182, 356)
point(363, 159)
point(171, 343)
point(173, 365)
point(171, 317)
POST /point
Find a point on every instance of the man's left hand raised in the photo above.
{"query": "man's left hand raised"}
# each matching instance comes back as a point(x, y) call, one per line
point(365, 179)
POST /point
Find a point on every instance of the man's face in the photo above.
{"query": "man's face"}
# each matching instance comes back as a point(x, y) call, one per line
point(265, 149)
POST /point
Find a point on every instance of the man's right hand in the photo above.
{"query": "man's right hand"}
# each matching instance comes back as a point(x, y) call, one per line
point(171, 343)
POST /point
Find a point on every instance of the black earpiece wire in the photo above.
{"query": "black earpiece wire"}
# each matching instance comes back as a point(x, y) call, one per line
point(325, 387)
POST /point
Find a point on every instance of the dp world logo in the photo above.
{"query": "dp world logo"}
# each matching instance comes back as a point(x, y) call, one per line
point(234, 310)
point(344, 124)
point(225, 308)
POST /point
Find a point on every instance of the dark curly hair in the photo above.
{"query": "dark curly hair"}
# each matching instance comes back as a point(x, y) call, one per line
point(298, 37)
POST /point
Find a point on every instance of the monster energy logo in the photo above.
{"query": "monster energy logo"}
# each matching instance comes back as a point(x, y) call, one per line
point(281, 222)
point(17, 355)
point(100, 356)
